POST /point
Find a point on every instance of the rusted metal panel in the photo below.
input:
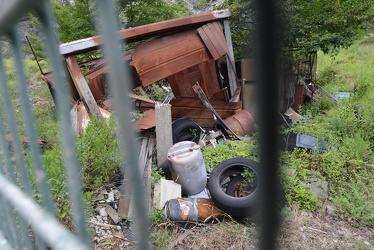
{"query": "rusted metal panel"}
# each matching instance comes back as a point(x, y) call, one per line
point(242, 123)
point(214, 39)
point(82, 87)
point(146, 31)
point(210, 83)
point(165, 56)
point(205, 73)
point(97, 87)
point(148, 121)
point(181, 83)
point(194, 109)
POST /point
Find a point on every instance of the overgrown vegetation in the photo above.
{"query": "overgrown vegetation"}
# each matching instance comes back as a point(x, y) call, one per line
point(347, 126)
point(99, 154)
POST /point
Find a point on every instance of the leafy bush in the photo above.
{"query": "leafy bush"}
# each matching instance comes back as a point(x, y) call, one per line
point(99, 154)
point(230, 149)
point(57, 180)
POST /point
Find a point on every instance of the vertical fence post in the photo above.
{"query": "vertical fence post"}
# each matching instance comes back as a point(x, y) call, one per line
point(120, 82)
point(63, 107)
point(267, 51)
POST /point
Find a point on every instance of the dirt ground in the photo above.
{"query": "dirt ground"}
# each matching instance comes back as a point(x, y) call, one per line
point(299, 230)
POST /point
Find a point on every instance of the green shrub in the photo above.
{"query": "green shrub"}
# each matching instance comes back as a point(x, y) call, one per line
point(99, 154)
point(230, 149)
point(57, 180)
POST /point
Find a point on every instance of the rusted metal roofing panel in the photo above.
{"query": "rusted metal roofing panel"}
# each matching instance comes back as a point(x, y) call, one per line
point(168, 55)
point(181, 83)
point(146, 31)
point(210, 82)
point(205, 73)
point(148, 121)
point(214, 39)
point(194, 109)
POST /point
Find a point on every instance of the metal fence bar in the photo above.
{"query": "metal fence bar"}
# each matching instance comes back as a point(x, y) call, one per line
point(29, 121)
point(12, 220)
point(10, 227)
point(4, 244)
point(43, 223)
point(11, 11)
point(12, 126)
point(120, 83)
point(63, 108)
point(267, 54)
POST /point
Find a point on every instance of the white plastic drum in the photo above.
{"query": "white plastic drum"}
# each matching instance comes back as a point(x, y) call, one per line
point(187, 167)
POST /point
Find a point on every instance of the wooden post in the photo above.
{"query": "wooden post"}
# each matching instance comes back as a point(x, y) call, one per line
point(82, 86)
point(164, 136)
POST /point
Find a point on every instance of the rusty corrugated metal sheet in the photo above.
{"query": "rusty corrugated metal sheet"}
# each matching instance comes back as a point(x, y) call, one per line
point(146, 31)
point(168, 55)
point(214, 39)
point(205, 73)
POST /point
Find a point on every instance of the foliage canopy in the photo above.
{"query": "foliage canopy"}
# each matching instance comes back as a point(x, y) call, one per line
point(306, 26)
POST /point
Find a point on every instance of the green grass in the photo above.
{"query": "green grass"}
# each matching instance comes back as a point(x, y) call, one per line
point(347, 126)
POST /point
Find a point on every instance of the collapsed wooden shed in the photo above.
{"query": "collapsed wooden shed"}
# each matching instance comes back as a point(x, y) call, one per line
point(183, 51)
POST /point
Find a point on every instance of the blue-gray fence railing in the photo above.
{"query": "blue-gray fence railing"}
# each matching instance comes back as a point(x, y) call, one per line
point(36, 227)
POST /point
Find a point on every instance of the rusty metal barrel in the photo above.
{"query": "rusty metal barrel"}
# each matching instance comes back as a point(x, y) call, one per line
point(243, 122)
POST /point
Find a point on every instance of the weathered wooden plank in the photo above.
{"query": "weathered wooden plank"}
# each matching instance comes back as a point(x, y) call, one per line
point(97, 88)
point(82, 87)
point(125, 205)
point(195, 113)
point(231, 70)
point(226, 27)
point(181, 83)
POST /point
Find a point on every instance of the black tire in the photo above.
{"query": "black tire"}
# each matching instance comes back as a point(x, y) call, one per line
point(185, 129)
point(165, 170)
point(223, 187)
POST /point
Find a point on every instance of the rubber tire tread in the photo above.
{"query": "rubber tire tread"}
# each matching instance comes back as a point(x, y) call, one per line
point(234, 206)
point(181, 130)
